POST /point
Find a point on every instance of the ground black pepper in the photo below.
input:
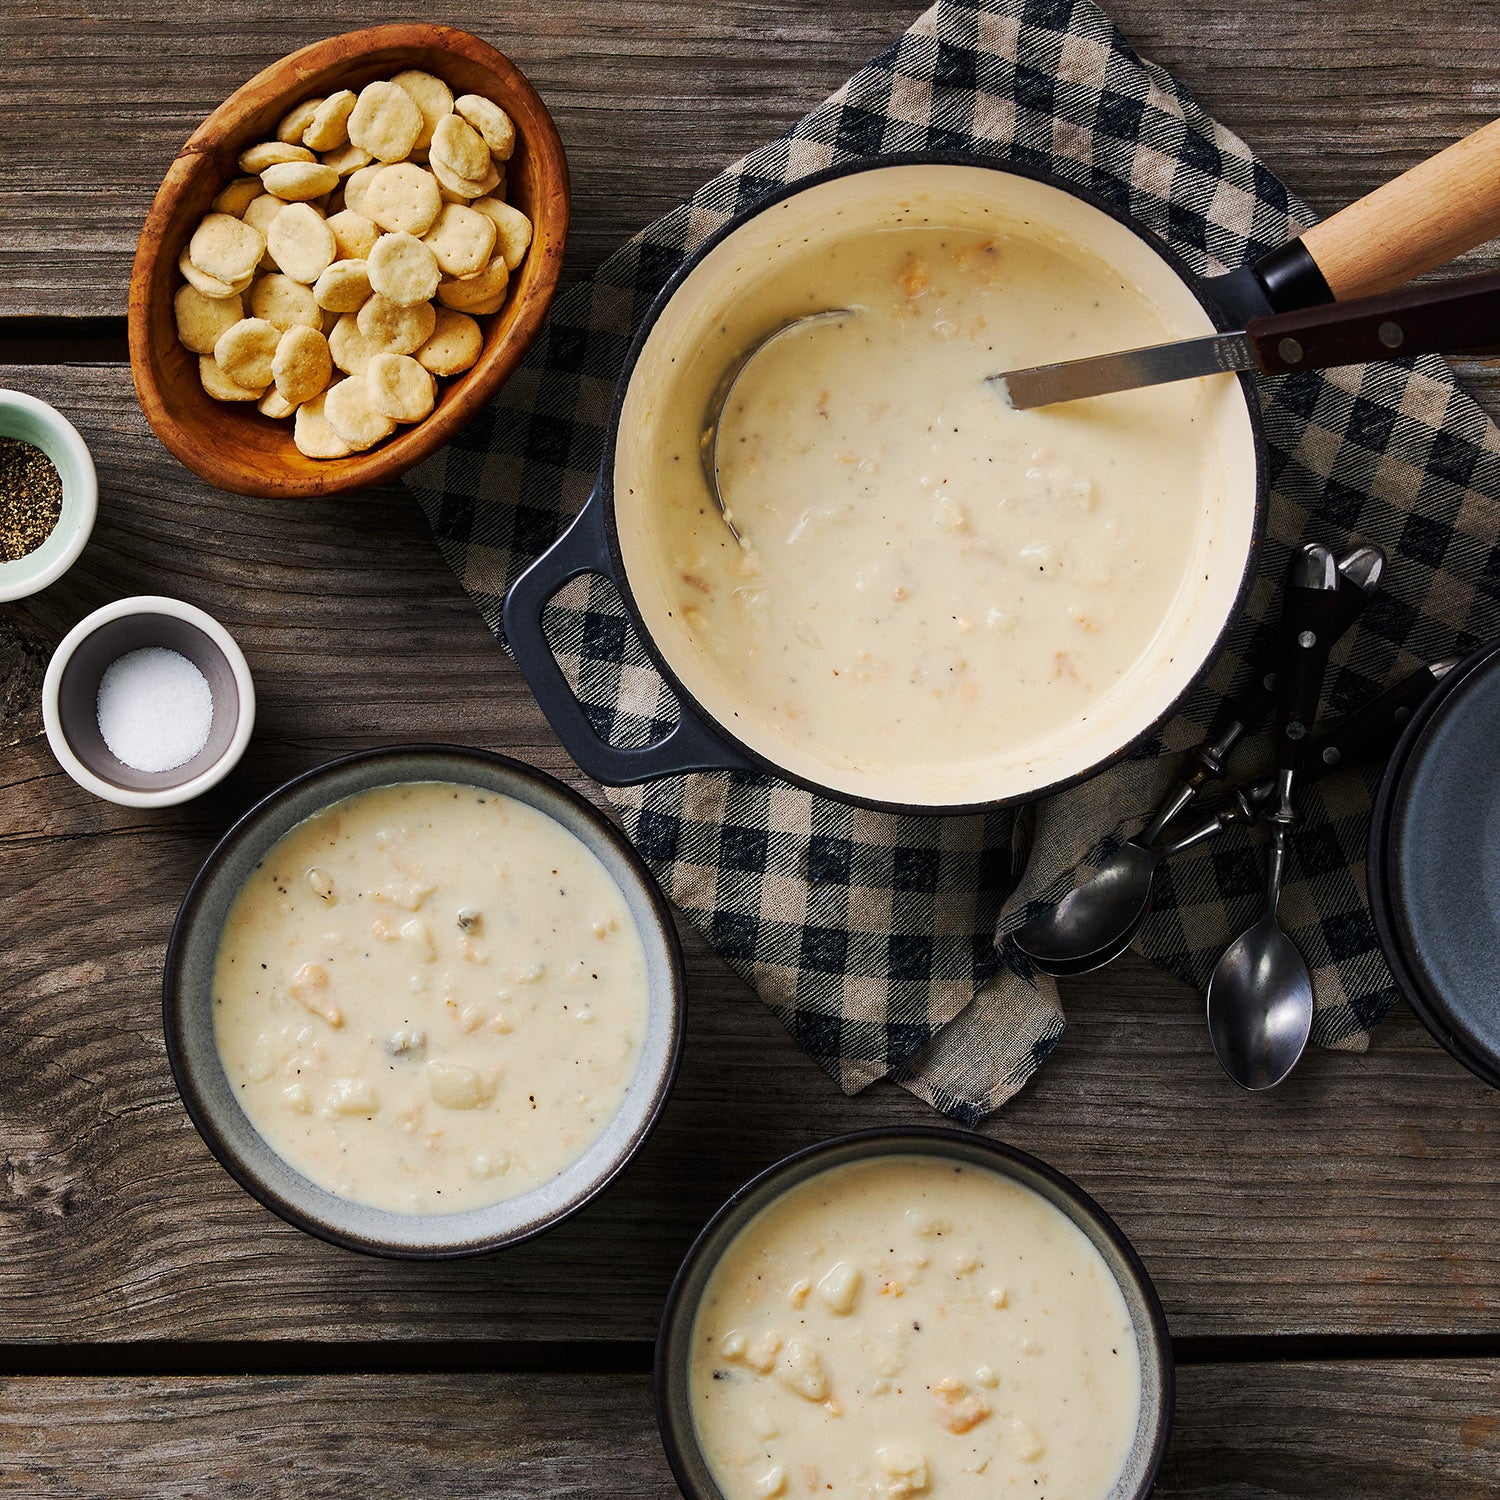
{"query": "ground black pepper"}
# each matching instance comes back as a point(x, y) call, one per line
point(30, 498)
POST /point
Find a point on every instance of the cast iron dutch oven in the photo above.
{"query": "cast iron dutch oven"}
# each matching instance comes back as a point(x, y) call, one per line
point(1404, 228)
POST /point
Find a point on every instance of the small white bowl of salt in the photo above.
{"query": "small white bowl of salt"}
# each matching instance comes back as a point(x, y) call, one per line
point(148, 702)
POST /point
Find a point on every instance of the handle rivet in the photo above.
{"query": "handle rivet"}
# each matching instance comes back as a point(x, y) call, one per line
point(1307, 640)
point(1296, 729)
point(1290, 351)
point(1390, 335)
point(1331, 755)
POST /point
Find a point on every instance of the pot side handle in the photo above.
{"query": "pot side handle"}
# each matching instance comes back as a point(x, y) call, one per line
point(1429, 215)
point(584, 548)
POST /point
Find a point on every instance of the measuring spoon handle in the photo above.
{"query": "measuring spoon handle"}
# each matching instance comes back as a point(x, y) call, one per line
point(1371, 731)
point(1309, 615)
point(1360, 571)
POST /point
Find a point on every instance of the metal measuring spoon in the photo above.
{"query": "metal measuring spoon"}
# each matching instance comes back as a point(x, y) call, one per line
point(1095, 922)
point(1366, 734)
point(718, 402)
point(1116, 900)
point(1260, 996)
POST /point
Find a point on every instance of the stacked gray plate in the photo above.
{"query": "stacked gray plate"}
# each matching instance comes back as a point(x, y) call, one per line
point(1434, 863)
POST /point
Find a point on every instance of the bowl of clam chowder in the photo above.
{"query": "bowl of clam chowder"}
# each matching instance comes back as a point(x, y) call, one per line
point(423, 1002)
point(913, 1312)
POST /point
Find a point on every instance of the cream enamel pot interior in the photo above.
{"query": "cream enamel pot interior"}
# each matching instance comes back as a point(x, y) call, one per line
point(612, 535)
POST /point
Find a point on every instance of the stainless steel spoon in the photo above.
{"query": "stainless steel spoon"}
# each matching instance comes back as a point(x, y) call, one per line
point(1084, 930)
point(718, 401)
point(1113, 904)
point(1260, 996)
point(1367, 734)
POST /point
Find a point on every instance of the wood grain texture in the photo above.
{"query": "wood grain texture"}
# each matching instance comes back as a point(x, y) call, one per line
point(1428, 216)
point(1258, 1432)
point(1350, 1431)
point(1363, 1197)
point(654, 96)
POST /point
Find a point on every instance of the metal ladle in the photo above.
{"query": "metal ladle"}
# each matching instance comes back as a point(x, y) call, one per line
point(718, 401)
point(1442, 318)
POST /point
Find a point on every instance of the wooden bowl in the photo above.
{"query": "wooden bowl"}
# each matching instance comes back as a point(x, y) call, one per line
point(231, 444)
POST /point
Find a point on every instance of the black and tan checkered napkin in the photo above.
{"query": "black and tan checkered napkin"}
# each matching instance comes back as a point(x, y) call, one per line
point(878, 939)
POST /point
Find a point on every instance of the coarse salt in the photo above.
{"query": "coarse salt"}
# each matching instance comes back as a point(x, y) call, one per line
point(155, 709)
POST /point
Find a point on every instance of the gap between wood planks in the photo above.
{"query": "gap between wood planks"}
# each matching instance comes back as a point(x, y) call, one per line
point(103, 341)
point(174, 1358)
point(63, 341)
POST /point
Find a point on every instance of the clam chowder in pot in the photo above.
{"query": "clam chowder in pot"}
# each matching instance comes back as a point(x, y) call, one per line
point(936, 598)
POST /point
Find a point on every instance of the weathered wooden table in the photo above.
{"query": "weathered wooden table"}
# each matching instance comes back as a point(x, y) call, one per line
point(1329, 1255)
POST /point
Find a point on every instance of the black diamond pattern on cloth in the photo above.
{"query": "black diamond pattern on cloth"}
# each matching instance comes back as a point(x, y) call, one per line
point(877, 939)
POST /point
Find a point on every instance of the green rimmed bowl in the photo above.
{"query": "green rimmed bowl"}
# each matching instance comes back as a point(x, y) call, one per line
point(43, 426)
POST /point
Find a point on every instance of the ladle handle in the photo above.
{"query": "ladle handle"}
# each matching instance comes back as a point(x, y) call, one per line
point(1427, 216)
point(584, 548)
point(1443, 317)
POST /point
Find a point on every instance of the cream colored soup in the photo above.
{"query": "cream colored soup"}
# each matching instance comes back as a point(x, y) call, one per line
point(930, 581)
point(430, 997)
point(907, 1326)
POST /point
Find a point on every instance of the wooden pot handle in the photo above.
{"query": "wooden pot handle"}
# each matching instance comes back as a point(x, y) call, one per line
point(1426, 217)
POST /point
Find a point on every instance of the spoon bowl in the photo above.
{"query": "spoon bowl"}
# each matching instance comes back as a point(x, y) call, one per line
point(1260, 1006)
point(718, 402)
point(1087, 926)
point(1097, 921)
point(1260, 996)
point(1087, 963)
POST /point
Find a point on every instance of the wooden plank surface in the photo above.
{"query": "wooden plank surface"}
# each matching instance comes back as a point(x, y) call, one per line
point(1243, 1432)
point(655, 95)
point(1363, 1197)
